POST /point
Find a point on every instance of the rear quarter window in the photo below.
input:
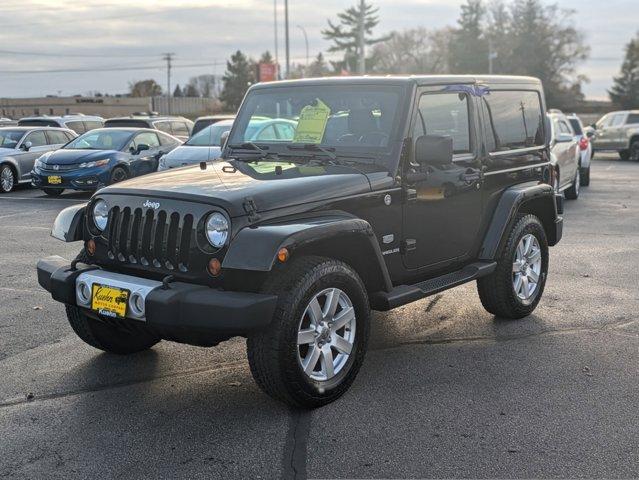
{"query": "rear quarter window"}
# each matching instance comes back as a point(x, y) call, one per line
point(77, 127)
point(633, 119)
point(515, 120)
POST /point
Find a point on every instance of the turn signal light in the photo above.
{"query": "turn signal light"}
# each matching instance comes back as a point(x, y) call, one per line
point(283, 254)
point(90, 247)
point(215, 267)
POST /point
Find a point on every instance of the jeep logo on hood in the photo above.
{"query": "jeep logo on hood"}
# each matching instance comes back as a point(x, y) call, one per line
point(150, 204)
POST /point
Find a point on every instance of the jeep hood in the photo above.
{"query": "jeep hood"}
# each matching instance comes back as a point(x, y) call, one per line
point(271, 185)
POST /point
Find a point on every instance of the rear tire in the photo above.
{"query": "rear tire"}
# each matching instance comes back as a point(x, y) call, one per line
point(585, 176)
point(624, 154)
point(500, 293)
point(633, 153)
point(7, 178)
point(106, 337)
point(573, 192)
point(53, 192)
point(286, 369)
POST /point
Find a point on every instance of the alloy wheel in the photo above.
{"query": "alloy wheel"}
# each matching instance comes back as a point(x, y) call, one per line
point(326, 334)
point(527, 268)
point(6, 179)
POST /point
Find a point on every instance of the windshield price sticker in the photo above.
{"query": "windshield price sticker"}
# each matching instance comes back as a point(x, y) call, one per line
point(312, 123)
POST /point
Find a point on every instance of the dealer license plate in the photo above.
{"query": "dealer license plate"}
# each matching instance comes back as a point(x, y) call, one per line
point(109, 301)
point(55, 180)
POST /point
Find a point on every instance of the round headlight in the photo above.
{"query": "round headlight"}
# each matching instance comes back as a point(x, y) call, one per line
point(100, 214)
point(217, 229)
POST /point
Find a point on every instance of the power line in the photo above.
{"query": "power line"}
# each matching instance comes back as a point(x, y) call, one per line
point(112, 69)
point(72, 55)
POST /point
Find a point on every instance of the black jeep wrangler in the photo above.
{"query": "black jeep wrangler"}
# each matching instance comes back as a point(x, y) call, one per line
point(332, 197)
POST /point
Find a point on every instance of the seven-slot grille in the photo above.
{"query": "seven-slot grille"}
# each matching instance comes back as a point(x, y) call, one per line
point(150, 237)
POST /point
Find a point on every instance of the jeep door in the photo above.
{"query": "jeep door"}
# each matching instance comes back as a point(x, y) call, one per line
point(443, 208)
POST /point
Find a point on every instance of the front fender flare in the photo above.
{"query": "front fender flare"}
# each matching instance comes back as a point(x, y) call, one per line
point(68, 225)
point(255, 248)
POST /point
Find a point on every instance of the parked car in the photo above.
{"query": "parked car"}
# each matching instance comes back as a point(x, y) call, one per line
point(6, 122)
point(203, 122)
point(619, 132)
point(101, 157)
point(565, 156)
point(292, 243)
point(201, 147)
point(19, 148)
point(178, 127)
point(78, 123)
point(585, 148)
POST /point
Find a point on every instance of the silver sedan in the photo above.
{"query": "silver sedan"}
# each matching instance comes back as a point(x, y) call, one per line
point(21, 146)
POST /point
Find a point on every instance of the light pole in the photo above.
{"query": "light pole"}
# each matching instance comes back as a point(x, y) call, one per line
point(305, 41)
point(277, 60)
point(286, 37)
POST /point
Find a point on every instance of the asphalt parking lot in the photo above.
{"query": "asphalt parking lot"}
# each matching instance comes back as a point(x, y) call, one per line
point(446, 391)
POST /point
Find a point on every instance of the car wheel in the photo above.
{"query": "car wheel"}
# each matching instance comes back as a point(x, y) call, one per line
point(515, 288)
point(634, 151)
point(54, 192)
point(312, 350)
point(7, 179)
point(624, 154)
point(585, 176)
point(573, 192)
point(118, 174)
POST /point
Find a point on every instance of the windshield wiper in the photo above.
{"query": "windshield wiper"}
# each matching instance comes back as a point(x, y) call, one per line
point(249, 146)
point(312, 147)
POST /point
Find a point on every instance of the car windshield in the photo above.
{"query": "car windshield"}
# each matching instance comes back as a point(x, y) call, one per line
point(348, 120)
point(208, 137)
point(10, 138)
point(576, 126)
point(104, 139)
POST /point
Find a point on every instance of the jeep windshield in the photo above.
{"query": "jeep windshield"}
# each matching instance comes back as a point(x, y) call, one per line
point(336, 121)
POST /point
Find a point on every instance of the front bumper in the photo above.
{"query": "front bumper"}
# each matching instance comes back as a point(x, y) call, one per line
point(180, 311)
point(88, 179)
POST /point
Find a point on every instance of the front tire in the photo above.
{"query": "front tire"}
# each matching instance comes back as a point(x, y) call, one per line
point(53, 192)
point(118, 174)
point(315, 345)
point(7, 179)
point(515, 288)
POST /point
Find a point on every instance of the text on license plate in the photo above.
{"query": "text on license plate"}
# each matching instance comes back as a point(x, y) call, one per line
point(55, 180)
point(109, 301)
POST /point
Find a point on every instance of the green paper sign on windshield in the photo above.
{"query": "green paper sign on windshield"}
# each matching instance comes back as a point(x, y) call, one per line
point(312, 123)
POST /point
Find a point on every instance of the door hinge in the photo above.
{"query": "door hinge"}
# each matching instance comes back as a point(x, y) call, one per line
point(410, 195)
point(409, 245)
point(251, 209)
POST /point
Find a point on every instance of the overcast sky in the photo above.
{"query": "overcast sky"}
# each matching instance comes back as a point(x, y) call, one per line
point(203, 33)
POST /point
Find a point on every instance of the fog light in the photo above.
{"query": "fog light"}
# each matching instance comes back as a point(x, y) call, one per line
point(283, 255)
point(84, 293)
point(136, 304)
point(215, 267)
point(91, 247)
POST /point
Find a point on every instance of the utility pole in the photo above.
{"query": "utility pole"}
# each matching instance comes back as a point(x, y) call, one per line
point(491, 56)
point(277, 60)
point(305, 41)
point(169, 58)
point(287, 43)
point(361, 60)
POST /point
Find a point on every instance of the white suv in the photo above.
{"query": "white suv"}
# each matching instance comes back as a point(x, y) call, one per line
point(619, 131)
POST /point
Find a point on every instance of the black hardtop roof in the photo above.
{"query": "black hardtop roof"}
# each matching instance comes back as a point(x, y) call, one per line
point(424, 80)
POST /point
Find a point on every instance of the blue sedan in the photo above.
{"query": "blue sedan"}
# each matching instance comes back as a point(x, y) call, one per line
point(101, 157)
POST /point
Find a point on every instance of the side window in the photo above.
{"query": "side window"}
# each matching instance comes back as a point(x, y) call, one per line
point(166, 139)
point(514, 120)
point(444, 114)
point(180, 128)
point(267, 134)
point(92, 125)
point(147, 138)
point(77, 127)
point(564, 128)
point(618, 120)
point(163, 126)
point(69, 136)
point(56, 137)
point(37, 139)
point(633, 118)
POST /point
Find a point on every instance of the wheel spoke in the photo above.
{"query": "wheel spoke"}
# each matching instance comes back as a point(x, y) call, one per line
point(516, 267)
point(330, 307)
point(533, 277)
point(304, 337)
point(343, 318)
point(534, 257)
point(341, 344)
point(311, 360)
point(525, 286)
point(315, 312)
point(527, 244)
point(327, 361)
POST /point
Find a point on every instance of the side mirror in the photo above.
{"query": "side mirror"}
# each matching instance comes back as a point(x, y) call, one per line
point(590, 133)
point(26, 146)
point(224, 138)
point(564, 138)
point(142, 147)
point(594, 126)
point(434, 150)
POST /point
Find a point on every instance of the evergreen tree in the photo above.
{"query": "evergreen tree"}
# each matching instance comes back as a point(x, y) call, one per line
point(345, 35)
point(318, 67)
point(191, 91)
point(469, 46)
point(625, 89)
point(178, 91)
point(239, 75)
